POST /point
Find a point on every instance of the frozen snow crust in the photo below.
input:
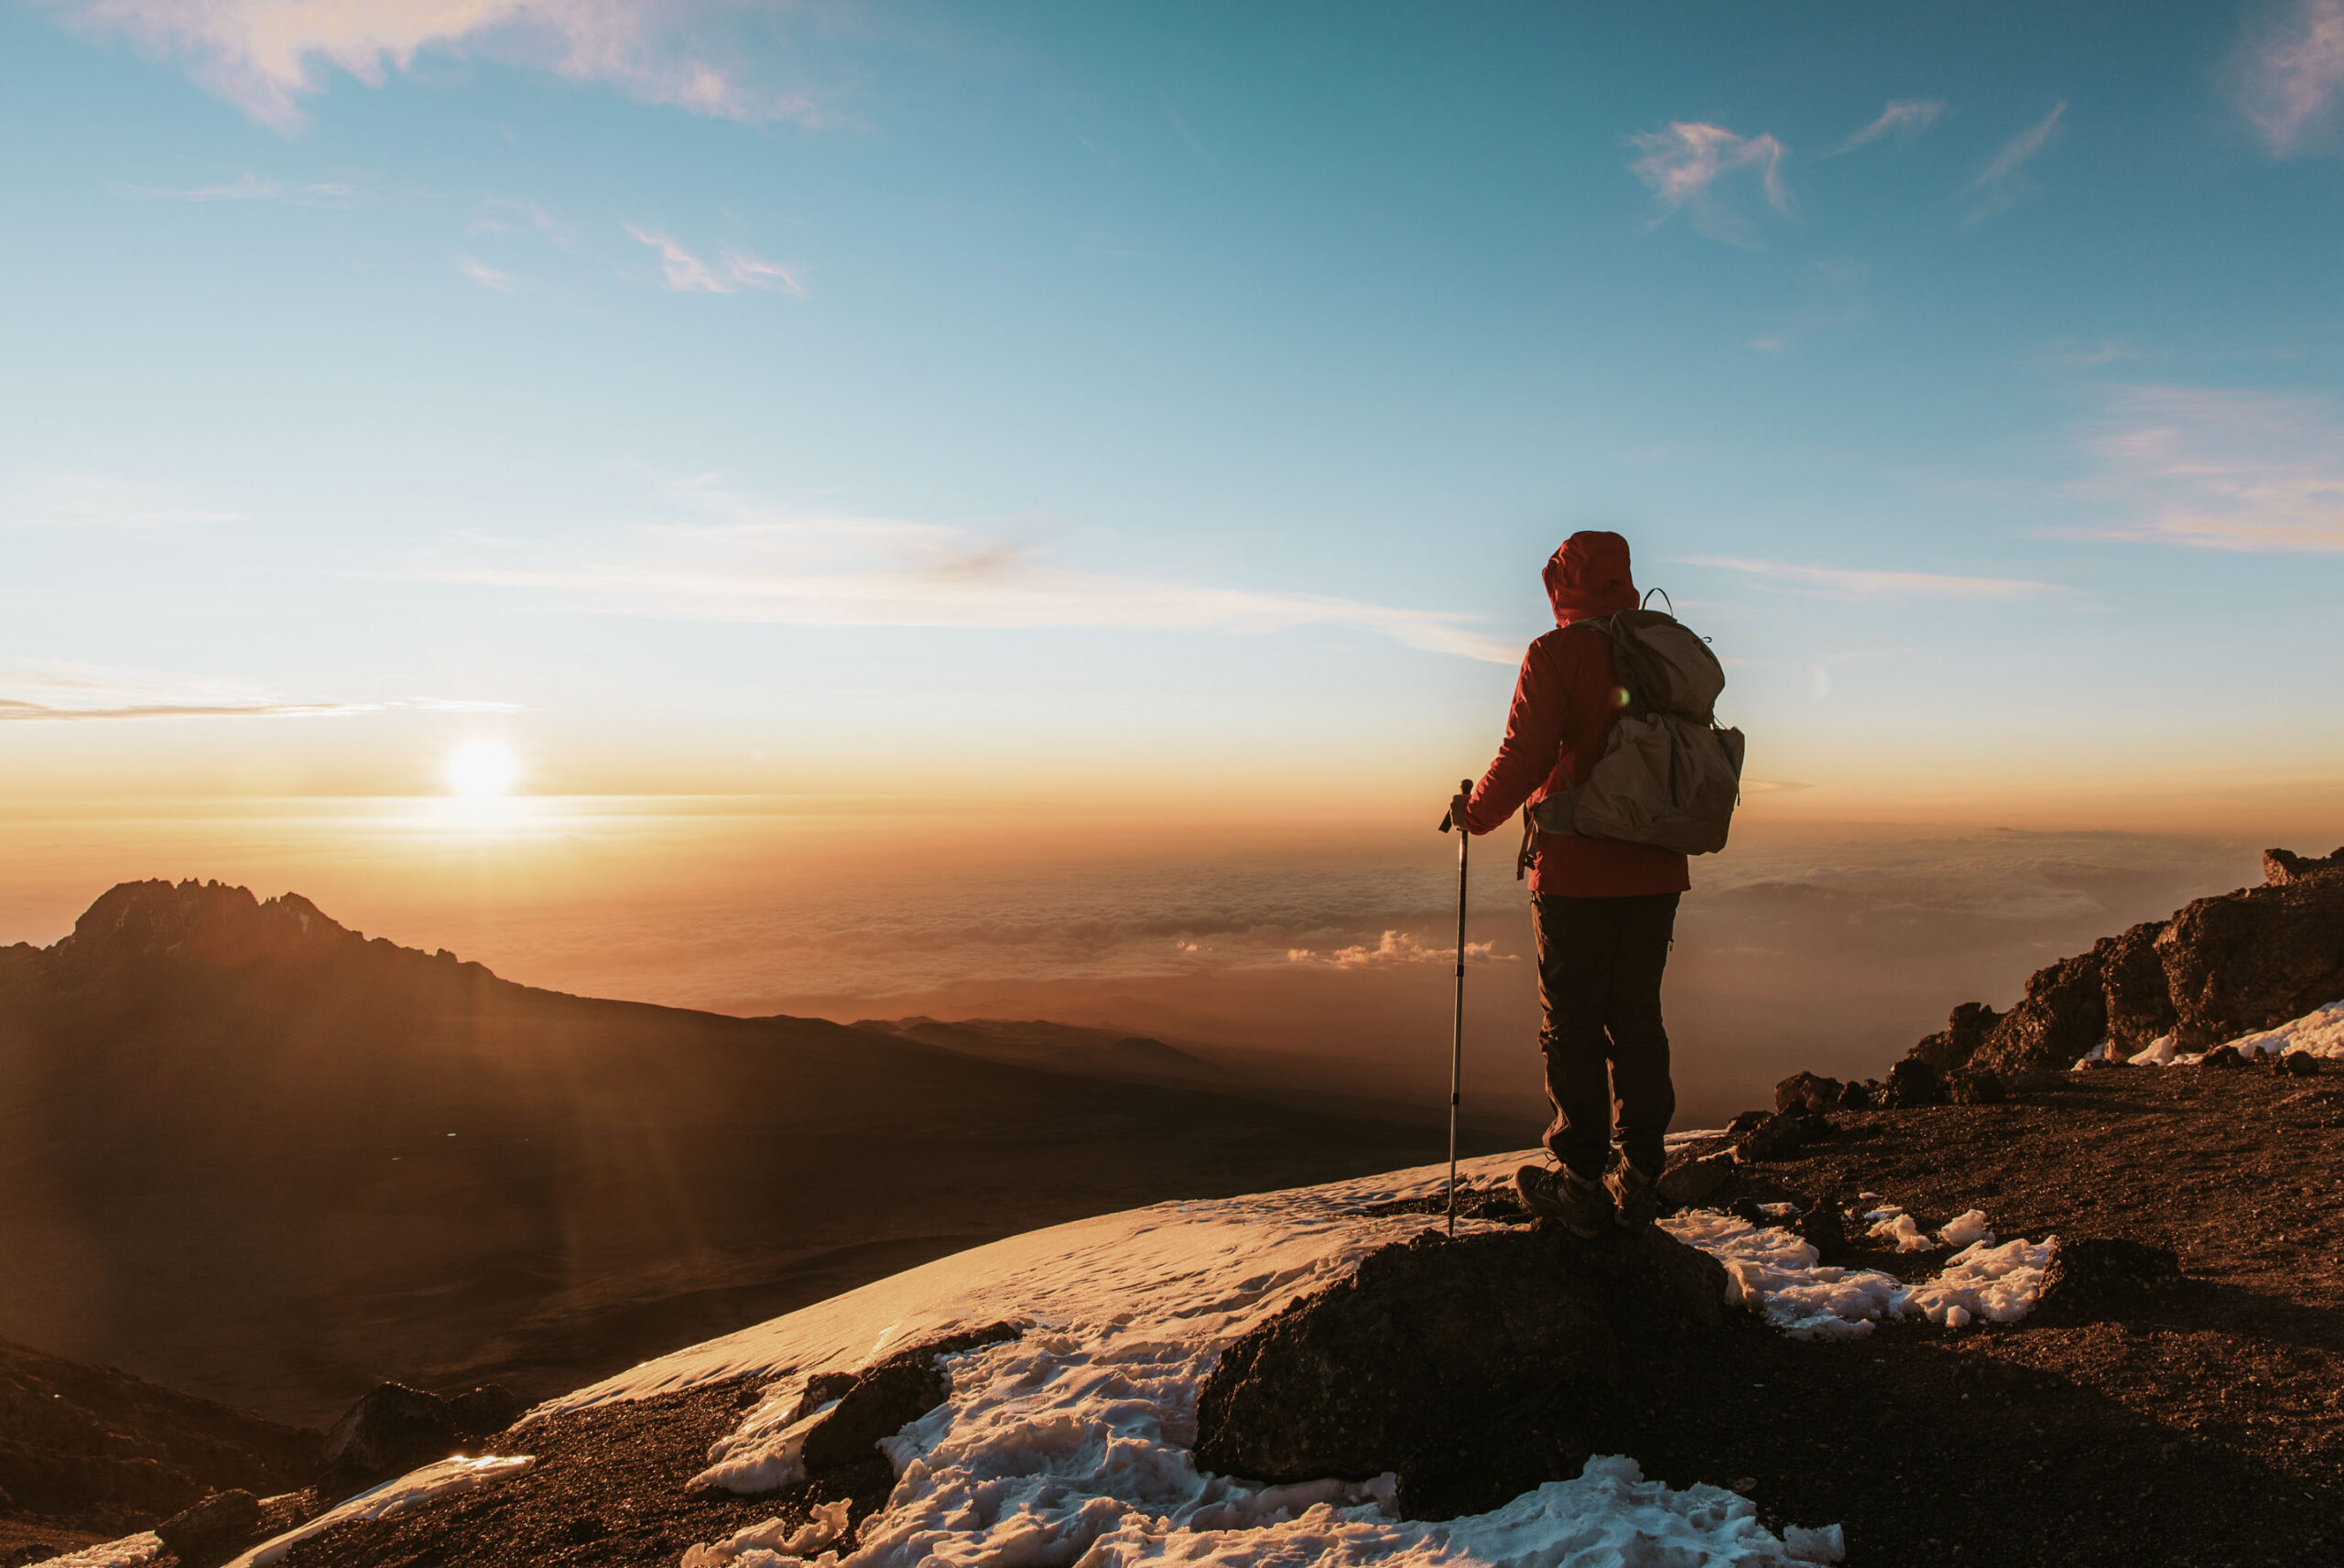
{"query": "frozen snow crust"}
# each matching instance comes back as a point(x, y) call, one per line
point(1071, 1443)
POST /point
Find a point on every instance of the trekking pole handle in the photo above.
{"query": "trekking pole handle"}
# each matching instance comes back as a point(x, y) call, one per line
point(1464, 786)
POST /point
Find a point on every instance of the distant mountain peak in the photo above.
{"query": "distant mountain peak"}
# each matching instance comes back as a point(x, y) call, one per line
point(137, 919)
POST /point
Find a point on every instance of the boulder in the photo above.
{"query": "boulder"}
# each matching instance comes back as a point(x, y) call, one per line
point(883, 1399)
point(2253, 959)
point(390, 1430)
point(393, 1428)
point(1975, 1086)
point(2223, 1056)
point(2300, 1064)
point(214, 1530)
point(1858, 1097)
point(1966, 1029)
point(1911, 1082)
point(2093, 1278)
point(1779, 1135)
point(1690, 1183)
point(1475, 1367)
point(2281, 867)
point(1806, 1092)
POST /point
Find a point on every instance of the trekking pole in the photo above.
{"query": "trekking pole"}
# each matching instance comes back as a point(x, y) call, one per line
point(1457, 1030)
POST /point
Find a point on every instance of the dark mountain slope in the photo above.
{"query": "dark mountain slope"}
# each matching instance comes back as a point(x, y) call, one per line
point(250, 1152)
point(97, 1450)
point(1062, 1047)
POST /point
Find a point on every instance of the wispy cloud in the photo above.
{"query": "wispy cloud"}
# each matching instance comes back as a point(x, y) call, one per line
point(102, 501)
point(1841, 582)
point(745, 561)
point(2290, 73)
point(267, 56)
point(59, 693)
point(1903, 118)
point(2002, 180)
point(734, 269)
point(1397, 947)
point(2220, 470)
point(251, 186)
point(1684, 164)
point(487, 276)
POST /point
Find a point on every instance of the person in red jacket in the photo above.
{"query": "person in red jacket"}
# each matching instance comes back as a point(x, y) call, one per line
point(1604, 911)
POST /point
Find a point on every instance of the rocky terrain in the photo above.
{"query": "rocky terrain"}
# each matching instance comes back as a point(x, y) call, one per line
point(2175, 1396)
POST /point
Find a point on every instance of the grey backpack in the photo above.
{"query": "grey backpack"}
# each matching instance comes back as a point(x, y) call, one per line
point(1669, 773)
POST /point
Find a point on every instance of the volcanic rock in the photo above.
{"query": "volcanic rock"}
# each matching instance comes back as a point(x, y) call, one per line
point(1975, 1086)
point(1475, 1367)
point(212, 1530)
point(1911, 1082)
point(2093, 1278)
point(2256, 957)
point(1688, 1183)
point(2131, 978)
point(1966, 1029)
point(885, 1398)
point(2223, 1056)
point(1807, 1091)
point(1778, 1135)
point(2300, 1064)
point(2281, 867)
point(395, 1428)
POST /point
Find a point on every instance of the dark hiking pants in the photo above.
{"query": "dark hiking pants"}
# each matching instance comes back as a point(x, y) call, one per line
point(1600, 961)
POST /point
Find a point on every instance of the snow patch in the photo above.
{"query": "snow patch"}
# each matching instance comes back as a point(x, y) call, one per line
point(2000, 1284)
point(444, 1478)
point(1893, 1224)
point(130, 1551)
point(772, 1542)
point(2321, 1033)
point(1965, 1229)
point(1073, 1442)
point(1778, 1273)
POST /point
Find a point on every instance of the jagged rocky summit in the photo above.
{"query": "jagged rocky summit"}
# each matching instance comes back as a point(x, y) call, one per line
point(2218, 969)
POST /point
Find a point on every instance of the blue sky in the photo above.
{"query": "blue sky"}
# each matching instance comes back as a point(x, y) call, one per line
point(1163, 401)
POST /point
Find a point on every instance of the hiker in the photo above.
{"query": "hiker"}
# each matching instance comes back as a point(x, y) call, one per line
point(1604, 909)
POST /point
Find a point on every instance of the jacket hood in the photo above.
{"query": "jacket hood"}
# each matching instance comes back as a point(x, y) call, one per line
point(1589, 576)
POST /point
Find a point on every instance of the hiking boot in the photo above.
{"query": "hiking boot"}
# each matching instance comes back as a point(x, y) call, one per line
point(1571, 1200)
point(1635, 1196)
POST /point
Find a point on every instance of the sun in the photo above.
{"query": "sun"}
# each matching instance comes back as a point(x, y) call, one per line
point(479, 768)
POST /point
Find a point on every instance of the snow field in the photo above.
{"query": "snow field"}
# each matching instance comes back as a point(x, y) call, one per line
point(2321, 1032)
point(1070, 1444)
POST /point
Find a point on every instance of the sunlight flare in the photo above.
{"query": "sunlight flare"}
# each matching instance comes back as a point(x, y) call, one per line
point(478, 769)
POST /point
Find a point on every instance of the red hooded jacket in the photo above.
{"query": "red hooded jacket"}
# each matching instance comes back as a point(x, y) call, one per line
point(1564, 707)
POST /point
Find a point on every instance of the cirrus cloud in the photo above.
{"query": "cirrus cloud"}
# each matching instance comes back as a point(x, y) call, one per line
point(1844, 582)
point(2290, 74)
point(1684, 164)
point(746, 561)
point(267, 56)
point(2220, 470)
